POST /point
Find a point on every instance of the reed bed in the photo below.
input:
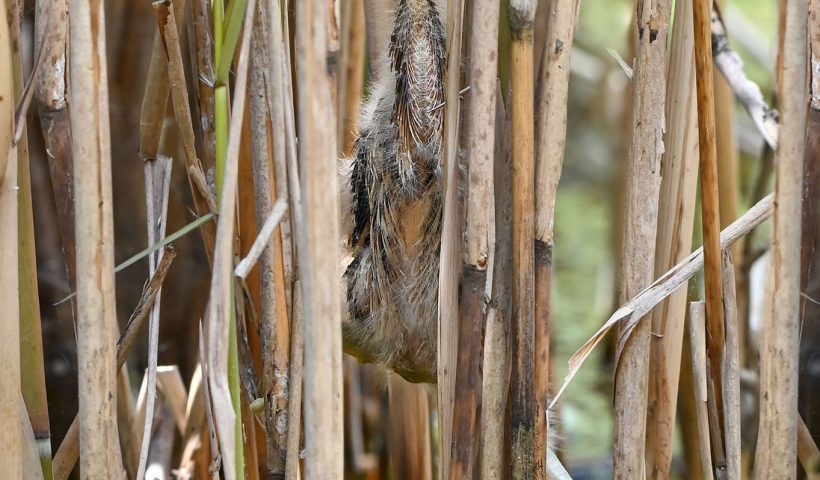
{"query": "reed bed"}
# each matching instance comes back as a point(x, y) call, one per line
point(184, 187)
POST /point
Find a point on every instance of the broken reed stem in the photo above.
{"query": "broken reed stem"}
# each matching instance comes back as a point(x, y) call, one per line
point(522, 407)
point(697, 339)
point(674, 240)
point(320, 270)
point(710, 210)
point(100, 455)
point(451, 241)
point(731, 372)
point(640, 230)
point(496, 356)
point(157, 190)
point(51, 26)
point(553, 91)
point(775, 456)
point(10, 437)
point(68, 452)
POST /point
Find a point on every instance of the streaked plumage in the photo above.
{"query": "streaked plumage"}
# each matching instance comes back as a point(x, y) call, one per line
point(396, 184)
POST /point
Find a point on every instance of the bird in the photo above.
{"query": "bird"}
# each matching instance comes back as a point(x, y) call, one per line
point(395, 184)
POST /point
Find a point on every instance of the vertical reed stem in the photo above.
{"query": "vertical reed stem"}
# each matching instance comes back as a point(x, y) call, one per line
point(96, 313)
point(522, 407)
point(779, 355)
point(320, 270)
point(640, 230)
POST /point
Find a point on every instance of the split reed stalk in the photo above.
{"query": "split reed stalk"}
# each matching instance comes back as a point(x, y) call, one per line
point(551, 131)
point(730, 370)
point(269, 300)
point(697, 341)
point(674, 241)
point(292, 471)
point(521, 15)
point(497, 355)
point(100, 455)
point(775, 457)
point(11, 445)
point(710, 210)
point(451, 242)
point(320, 268)
point(276, 377)
point(157, 190)
point(640, 230)
point(480, 134)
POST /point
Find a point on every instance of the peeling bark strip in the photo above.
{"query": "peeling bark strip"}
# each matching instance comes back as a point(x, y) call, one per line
point(640, 229)
point(775, 455)
point(747, 92)
point(96, 313)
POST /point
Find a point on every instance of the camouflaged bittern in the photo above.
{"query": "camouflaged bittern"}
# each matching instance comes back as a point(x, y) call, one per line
point(396, 183)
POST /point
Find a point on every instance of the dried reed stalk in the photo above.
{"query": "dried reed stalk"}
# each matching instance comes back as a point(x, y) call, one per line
point(522, 402)
point(727, 150)
point(730, 372)
point(674, 239)
point(100, 455)
point(497, 355)
point(480, 134)
point(697, 339)
point(351, 80)
point(320, 269)
point(553, 90)
point(277, 364)
point(11, 453)
point(640, 230)
point(710, 210)
point(169, 30)
point(775, 456)
point(409, 430)
point(451, 235)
